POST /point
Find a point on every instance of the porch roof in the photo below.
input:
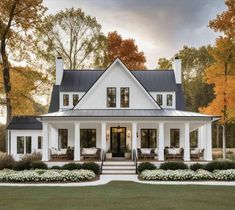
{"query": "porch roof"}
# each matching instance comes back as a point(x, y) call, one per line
point(126, 113)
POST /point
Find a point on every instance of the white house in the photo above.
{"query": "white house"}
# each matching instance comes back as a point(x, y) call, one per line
point(111, 110)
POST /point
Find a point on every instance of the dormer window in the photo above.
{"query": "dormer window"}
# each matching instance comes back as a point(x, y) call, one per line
point(75, 99)
point(124, 96)
point(66, 100)
point(169, 99)
point(159, 99)
point(111, 97)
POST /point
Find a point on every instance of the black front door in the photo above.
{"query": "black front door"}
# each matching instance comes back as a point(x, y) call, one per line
point(118, 141)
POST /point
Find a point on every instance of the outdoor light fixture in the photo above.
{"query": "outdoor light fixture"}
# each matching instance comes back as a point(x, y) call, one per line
point(119, 130)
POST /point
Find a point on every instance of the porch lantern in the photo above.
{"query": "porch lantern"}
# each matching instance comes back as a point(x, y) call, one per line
point(119, 130)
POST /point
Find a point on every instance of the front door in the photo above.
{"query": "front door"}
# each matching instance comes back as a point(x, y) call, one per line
point(118, 141)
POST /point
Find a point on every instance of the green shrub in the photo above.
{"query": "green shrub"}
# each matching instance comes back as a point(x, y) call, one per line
point(197, 166)
point(71, 166)
point(22, 165)
point(92, 166)
point(173, 166)
point(220, 165)
point(146, 166)
point(6, 161)
point(38, 165)
point(56, 167)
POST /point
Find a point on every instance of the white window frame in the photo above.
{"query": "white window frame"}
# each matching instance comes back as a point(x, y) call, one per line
point(24, 139)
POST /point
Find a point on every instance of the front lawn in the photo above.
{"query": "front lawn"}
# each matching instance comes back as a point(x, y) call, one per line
point(118, 195)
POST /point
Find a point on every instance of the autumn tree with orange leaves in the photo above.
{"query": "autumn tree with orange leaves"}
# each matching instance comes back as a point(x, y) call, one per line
point(222, 72)
point(126, 50)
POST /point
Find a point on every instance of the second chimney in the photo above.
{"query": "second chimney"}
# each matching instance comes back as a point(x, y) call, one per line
point(59, 70)
point(177, 70)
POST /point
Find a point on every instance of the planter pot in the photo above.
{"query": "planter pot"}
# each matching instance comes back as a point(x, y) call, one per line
point(108, 156)
point(127, 155)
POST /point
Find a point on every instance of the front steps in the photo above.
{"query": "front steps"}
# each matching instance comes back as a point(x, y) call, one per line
point(118, 167)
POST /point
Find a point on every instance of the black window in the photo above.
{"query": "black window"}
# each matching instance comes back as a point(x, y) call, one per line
point(159, 99)
point(75, 99)
point(28, 144)
point(63, 138)
point(175, 137)
point(66, 100)
point(39, 142)
point(148, 138)
point(111, 97)
point(88, 138)
point(124, 96)
point(20, 144)
point(169, 99)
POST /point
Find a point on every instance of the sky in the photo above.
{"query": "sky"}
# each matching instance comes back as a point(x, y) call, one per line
point(159, 27)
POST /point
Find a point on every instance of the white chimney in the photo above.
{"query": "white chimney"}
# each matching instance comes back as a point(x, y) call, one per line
point(59, 70)
point(177, 70)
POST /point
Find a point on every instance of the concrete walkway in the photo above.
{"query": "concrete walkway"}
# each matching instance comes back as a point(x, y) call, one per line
point(104, 179)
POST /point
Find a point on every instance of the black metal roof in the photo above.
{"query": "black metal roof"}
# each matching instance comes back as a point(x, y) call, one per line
point(24, 123)
point(54, 104)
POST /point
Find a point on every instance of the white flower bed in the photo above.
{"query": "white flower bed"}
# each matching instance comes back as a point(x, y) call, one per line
point(183, 175)
point(46, 175)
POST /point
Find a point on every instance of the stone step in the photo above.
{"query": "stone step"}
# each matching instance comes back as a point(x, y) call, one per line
point(117, 167)
point(118, 163)
point(118, 172)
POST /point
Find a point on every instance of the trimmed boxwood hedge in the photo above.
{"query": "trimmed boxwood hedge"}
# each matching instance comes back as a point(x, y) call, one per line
point(173, 166)
point(71, 166)
point(91, 166)
point(220, 165)
point(38, 165)
point(197, 166)
point(146, 166)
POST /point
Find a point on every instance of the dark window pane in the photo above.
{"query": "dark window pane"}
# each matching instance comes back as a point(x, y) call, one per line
point(111, 97)
point(39, 142)
point(175, 137)
point(28, 144)
point(63, 138)
point(124, 97)
point(148, 138)
point(65, 100)
point(169, 99)
point(75, 99)
point(20, 145)
point(88, 138)
point(159, 99)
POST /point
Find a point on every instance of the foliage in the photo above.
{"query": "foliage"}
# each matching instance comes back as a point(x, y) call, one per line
point(71, 166)
point(6, 161)
point(173, 165)
point(91, 166)
point(35, 156)
point(2, 137)
point(220, 165)
point(126, 50)
point(46, 176)
point(38, 165)
point(197, 166)
point(56, 167)
point(164, 64)
point(145, 166)
point(22, 165)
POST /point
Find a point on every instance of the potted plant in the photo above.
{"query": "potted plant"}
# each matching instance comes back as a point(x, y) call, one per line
point(127, 152)
point(108, 154)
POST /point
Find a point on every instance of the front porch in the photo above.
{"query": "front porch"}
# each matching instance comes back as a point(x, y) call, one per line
point(120, 137)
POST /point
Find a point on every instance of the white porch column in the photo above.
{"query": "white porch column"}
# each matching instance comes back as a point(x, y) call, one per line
point(201, 139)
point(77, 156)
point(161, 140)
point(45, 141)
point(186, 142)
point(134, 140)
point(103, 136)
point(208, 148)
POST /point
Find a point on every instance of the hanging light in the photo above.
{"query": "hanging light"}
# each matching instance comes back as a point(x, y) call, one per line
point(119, 129)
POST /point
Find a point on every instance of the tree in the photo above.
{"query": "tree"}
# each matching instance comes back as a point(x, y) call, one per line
point(17, 22)
point(222, 73)
point(73, 35)
point(164, 63)
point(126, 50)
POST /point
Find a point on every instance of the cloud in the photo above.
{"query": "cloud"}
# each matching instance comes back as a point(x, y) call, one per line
point(160, 27)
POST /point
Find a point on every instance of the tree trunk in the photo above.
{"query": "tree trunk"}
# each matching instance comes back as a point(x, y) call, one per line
point(224, 141)
point(217, 135)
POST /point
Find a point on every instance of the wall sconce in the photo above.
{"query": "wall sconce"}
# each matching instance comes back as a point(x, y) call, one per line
point(128, 134)
point(107, 135)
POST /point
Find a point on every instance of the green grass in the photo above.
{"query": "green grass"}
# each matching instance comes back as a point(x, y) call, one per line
point(119, 195)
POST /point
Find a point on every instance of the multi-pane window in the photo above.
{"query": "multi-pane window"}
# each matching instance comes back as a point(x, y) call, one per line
point(148, 138)
point(88, 138)
point(175, 137)
point(65, 99)
point(24, 144)
point(63, 138)
point(75, 99)
point(39, 142)
point(124, 96)
point(159, 99)
point(111, 97)
point(169, 99)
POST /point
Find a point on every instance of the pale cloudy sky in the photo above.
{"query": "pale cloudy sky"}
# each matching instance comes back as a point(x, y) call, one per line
point(160, 27)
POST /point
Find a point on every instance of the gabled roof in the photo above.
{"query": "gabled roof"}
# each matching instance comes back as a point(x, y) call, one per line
point(24, 123)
